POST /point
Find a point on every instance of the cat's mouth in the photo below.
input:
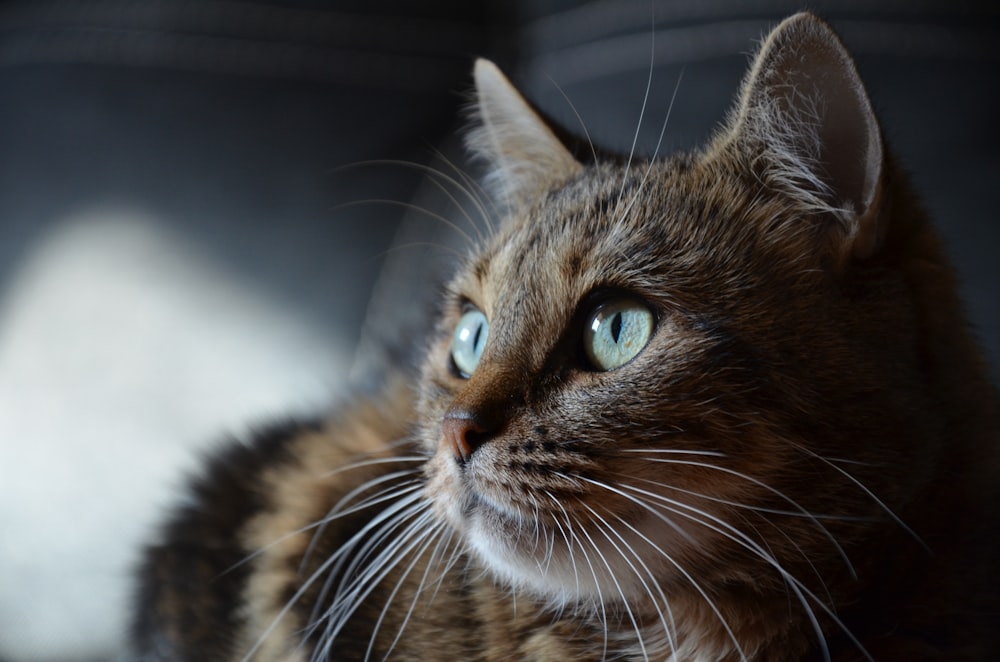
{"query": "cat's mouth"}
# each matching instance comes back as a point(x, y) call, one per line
point(480, 502)
point(530, 548)
point(521, 552)
point(463, 496)
point(562, 568)
point(563, 547)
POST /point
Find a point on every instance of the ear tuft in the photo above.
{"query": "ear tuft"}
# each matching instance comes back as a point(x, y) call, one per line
point(804, 112)
point(523, 154)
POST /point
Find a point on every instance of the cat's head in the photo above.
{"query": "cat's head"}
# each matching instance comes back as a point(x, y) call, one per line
point(674, 372)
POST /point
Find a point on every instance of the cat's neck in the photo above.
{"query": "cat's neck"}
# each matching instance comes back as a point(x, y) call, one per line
point(686, 626)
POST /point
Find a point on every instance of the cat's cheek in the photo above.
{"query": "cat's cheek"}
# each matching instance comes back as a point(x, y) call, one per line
point(442, 490)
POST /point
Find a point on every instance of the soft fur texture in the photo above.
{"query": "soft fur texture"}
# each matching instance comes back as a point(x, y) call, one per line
point(800, 464)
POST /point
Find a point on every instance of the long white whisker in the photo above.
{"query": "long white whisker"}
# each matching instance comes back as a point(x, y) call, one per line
point(371, 535)
point(439, 179)
point(642, 110)
point(391, 493)
point(372, 545)
point(442, 542)
point(474, 190)
point(669, 629)
point(601, 602)
point(870, 494)
point(427, 537)
point(649, 165)
point(576, 113)
point(771, 489)
point(456, 554)
point(670, 559)
point(566, 538)
point(727, 530)
point(287, 536)
point(759, 509)
point(374, 461)
point(456, 254)
point(333, 560)
point(349, 597)
point(621, 592)
point(671, 451)
point(409, 206)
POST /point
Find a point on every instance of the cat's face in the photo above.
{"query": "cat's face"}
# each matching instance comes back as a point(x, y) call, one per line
point(639, 380)
point(579, 458)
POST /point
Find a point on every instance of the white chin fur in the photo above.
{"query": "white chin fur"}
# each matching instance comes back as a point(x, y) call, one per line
point(545, 567)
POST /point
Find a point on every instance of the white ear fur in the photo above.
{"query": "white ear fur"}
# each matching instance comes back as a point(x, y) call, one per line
point(804, 109)
point(523, 154)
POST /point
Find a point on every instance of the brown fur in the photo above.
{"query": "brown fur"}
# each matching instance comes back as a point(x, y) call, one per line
point(801, 463)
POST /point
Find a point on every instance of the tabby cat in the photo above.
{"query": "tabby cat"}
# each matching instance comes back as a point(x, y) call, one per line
point(718, 407)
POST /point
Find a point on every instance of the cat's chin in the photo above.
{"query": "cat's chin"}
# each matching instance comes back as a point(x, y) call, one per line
point(583, 568)
point(508, 548)
point(498, 537)
point(538, 561)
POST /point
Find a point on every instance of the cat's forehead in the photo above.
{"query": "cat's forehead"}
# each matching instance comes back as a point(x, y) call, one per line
point(610, 225)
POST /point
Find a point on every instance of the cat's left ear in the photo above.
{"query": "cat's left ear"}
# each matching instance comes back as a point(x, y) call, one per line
point(805, 117)
point(524, 155)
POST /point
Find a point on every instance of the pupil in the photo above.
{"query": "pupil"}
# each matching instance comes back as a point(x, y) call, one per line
point(616, 327)
point(476, 336)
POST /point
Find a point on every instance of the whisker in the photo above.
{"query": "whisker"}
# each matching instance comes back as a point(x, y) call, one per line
point(333, 560)
point(442, 542)
point(409, 206)
point(642, 110)
point(371, 462)
point(455, 253)
point(457, 553)
point(670, 559)
point(846, 474)
point(773, 490)
point(656, 151)
point(671, 451)
point(576, 113)
point(388, 494)
point(371, 535)
point(760, 509)
point(566, 538)
point(621, 592)
point(429, 538)
point(284, 537)
point(371, 545)
point(349, 597)
point(436, 177)
point(601, 602)
point(669, 629)
point(725, 529)
point(474, 190)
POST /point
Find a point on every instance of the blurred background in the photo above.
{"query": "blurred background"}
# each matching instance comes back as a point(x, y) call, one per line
point(204, 221)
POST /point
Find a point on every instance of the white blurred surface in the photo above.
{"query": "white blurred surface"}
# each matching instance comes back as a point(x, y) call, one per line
point(123, 352)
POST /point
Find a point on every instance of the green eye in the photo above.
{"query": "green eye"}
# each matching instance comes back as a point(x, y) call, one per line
point(616, 332)
point(468, 342)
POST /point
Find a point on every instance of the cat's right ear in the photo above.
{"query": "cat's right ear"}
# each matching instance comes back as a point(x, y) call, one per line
point(805, 119)
point(524, 156)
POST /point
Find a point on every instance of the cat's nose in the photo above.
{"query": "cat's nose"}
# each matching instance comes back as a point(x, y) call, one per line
point(463, 433)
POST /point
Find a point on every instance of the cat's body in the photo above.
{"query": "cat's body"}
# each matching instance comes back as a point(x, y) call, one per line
point(719, 407)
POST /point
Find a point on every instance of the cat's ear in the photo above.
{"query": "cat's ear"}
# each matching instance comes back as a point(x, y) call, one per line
point(805, 117)
point(523, 154)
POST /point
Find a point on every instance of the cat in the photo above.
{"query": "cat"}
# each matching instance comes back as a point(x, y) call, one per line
point(722, 406)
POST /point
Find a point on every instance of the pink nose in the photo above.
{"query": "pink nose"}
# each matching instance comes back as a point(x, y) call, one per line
point(463, 433)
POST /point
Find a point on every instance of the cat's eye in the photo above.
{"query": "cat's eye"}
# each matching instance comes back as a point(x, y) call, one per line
point(469, 340)
point(616, 331)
